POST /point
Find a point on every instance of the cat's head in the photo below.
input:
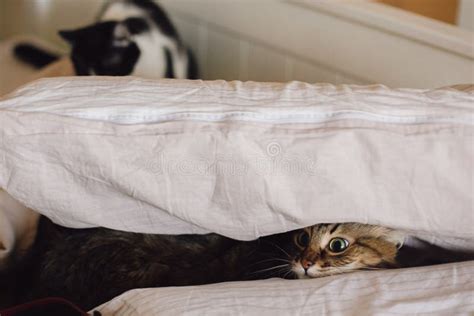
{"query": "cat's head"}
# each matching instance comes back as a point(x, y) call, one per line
point(327, 249)
point(105, 48)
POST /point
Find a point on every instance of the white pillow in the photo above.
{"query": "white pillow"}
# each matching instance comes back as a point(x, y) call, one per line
point(239, 159)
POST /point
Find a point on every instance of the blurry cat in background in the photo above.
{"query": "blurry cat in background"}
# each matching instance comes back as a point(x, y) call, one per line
point(131, 37)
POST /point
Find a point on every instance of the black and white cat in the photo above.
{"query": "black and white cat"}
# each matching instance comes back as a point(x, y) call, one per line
point(131, 37)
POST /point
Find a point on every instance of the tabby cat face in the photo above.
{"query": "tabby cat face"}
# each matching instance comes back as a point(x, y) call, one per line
point(337, 248)
point(327, 249)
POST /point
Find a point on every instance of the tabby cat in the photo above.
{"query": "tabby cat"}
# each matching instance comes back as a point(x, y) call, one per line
point(91, 266)
point(131, 37)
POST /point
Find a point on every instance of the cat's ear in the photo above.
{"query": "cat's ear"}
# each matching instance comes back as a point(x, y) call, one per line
point(69, 36)
point(397, 237)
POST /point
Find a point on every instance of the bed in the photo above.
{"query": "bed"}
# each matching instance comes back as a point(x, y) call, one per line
point(246, 160)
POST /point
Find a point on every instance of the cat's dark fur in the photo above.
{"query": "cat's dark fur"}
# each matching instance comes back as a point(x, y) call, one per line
point(91, 266)
point(131, 37)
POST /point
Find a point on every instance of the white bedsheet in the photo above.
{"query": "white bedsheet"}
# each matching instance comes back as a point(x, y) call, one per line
point(438, 290)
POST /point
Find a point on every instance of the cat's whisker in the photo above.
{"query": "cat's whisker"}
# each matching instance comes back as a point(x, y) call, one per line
point(269, 269)
point(288, 272)
point(278, 247)
point(267, 260)
point(268, 254)
point(275, 273)
point(271, 259)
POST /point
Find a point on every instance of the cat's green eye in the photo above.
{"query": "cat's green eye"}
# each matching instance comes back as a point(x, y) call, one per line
point(338, 244)
point(303, 239)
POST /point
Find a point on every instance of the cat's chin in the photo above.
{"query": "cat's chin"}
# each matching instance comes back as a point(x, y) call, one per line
point(321, 274)
point(302, 275)
point(317, 274)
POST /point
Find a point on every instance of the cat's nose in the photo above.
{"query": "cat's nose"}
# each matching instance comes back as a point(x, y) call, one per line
point(306, 263)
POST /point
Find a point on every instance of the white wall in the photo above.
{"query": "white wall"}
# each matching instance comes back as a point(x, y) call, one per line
point(226, 50)
point(466, 14)
point(278, 40)
point(350, 42)
point(45, 17)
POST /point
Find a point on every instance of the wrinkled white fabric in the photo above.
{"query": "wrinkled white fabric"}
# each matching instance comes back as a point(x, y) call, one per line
point(245, 160)
point(240, 159)
point(437, 290)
